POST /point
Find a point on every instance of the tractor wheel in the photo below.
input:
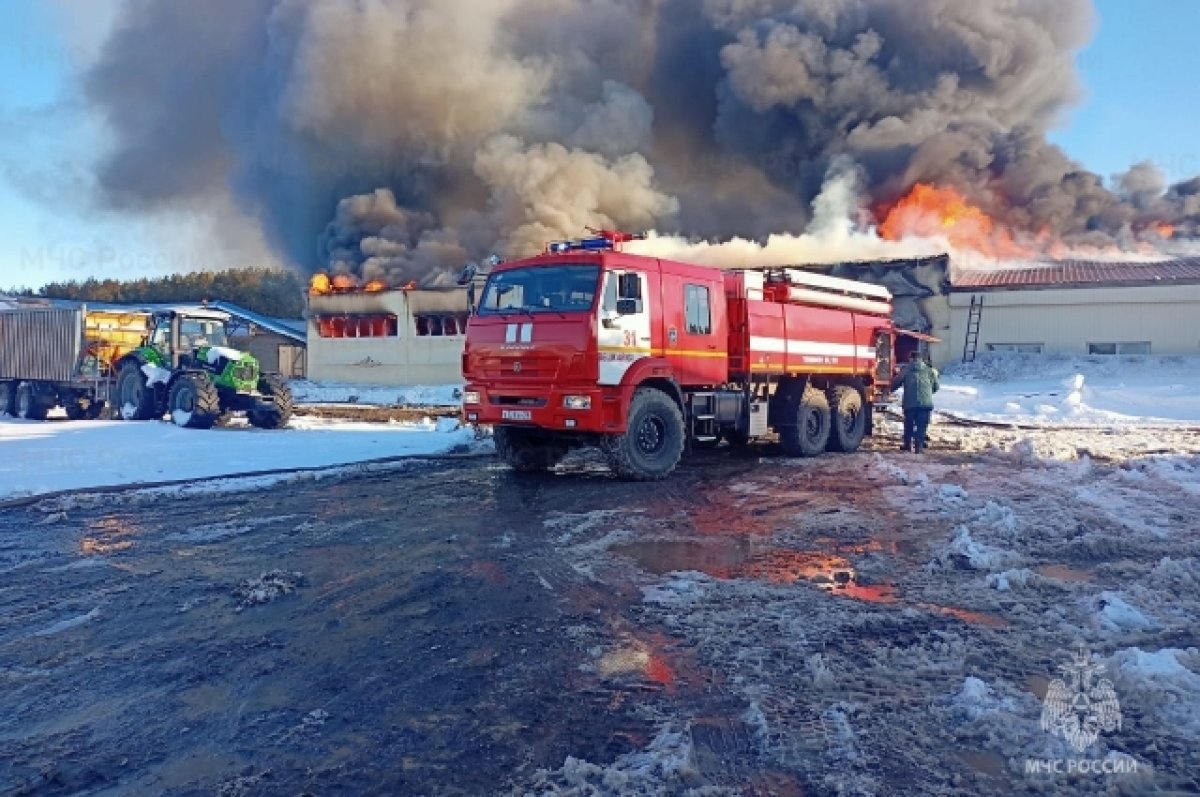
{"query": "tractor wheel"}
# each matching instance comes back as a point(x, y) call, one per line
point(194, 402)
point(653, 442)
point(523, 453)
point(809, 435)
point(135, 399)
point(30, 405)
point(849, 422)
point(8, 398)
point(273, 386)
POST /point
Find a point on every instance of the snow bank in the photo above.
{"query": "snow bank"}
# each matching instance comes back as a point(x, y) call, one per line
point(964, 552)
point(1163, 683)
point(1057, 390)
point(976, 700)
point(308, 392)
point(37, 458)
point(666, 766)
point(1111, 612)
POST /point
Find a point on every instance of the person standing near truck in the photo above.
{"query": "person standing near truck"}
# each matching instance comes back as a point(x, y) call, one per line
point(919, 380)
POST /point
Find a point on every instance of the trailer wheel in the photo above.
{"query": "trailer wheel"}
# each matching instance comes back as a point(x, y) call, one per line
point(135, 399)
point(273, 386)
point(30, 406)
point(523, 453)
point(8, 398)
point(736, 438)
point(809, 435)
point(84, 409)
point(653, 442)
point(849, 419)
point(194, 402)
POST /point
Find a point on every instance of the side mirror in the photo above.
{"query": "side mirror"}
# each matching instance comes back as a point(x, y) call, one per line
point(629, 306)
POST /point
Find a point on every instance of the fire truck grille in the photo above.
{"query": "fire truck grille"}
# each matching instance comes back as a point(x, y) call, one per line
point(527, 367)
point(519, 401)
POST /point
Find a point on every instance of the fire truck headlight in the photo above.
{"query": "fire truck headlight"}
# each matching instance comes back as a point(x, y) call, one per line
point(470, 397)
point(577, 402)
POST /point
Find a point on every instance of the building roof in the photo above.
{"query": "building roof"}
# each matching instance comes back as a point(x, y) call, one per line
point(1080, 274)
point(294, 329)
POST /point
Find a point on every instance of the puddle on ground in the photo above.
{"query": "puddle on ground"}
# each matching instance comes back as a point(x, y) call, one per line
point(740, 558)
point(108, 535)
point(987, 763)
point(1064, 573)
point(968, 616)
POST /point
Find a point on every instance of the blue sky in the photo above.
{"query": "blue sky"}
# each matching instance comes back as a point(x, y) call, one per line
point(1140, 75)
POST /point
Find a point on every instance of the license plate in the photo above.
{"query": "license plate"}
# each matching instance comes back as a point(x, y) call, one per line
point(516, 415)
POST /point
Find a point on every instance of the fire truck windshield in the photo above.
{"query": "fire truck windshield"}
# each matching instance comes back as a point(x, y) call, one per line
point(533, 289)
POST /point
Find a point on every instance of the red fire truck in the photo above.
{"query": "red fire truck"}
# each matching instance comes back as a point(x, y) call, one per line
point(587, 345)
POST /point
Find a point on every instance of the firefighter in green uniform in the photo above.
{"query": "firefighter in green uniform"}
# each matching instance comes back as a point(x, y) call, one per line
point(920, 381)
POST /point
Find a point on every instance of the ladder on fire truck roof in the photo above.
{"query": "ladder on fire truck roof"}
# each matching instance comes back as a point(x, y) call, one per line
point(974, 320)
point(809, 279)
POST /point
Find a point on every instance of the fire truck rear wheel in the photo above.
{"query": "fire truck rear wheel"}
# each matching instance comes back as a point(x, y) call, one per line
point(849, 419)
point(810, 434)
point(653, 443)
point(523, 452)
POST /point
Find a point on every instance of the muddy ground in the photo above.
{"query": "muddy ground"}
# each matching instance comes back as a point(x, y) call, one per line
point(751, 626)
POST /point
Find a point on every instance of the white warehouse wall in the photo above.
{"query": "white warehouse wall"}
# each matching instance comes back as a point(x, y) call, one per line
point(407, 359)
point(1066, 320)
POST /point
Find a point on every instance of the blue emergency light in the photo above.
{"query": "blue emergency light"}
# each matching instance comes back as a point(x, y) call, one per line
point(580, 245)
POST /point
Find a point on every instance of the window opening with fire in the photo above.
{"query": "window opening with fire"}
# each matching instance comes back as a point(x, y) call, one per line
point(358, 326)
point(441, 325)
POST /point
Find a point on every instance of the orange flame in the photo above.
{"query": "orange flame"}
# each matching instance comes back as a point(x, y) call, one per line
point(319, 285)
point(375, 286)
point(344, 282)
point(929, 211)
point(1164, 230)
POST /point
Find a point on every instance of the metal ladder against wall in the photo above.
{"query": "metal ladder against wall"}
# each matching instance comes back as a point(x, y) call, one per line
point(974, 319)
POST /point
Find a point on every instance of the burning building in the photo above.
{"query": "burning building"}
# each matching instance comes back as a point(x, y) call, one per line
point(375, 334)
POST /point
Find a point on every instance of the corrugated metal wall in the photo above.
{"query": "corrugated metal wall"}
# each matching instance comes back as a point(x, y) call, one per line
point(40, 344)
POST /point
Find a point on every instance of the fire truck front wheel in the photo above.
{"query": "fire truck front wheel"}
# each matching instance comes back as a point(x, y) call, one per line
point(653, 441)
point(523, 452)
point(809, 435)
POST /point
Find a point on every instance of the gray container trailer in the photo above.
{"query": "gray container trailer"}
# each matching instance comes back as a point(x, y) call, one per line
point(41, 344)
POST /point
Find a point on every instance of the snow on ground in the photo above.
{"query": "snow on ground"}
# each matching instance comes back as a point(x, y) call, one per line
point(1056, 390)
point(308, 392)
point(963, 581)
point(37, 458)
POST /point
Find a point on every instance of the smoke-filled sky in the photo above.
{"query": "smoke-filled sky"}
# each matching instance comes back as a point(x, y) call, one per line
point(402, 138)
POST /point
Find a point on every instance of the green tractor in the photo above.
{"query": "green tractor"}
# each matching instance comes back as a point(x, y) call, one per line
point(186, 369)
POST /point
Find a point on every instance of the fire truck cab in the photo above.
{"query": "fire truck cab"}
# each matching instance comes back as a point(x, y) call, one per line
point(586, 345)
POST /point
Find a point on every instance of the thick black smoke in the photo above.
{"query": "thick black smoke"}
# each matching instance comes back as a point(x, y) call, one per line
point(399, 138)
